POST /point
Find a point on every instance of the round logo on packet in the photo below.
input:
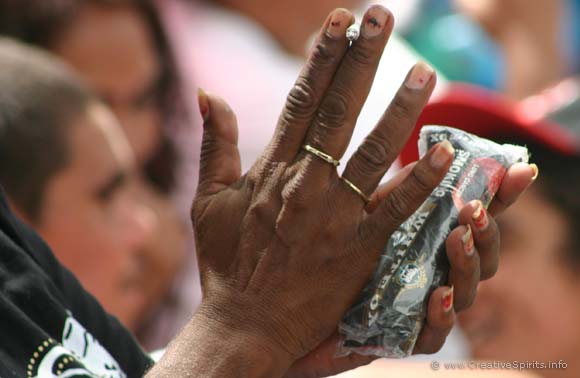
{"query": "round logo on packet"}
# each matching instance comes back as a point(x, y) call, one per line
point(411, 275)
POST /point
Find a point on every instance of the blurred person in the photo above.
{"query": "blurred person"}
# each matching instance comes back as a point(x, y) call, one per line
point(531, 37)
point(70, 173)
point(269, 46)
point(120, 49)
point(256, 319)
point(530, 311)
point(302, 24)
point(251, 52)
point(455, 44)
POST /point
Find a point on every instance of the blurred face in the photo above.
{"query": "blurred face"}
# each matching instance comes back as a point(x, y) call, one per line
point(317, 10)
point(113, 49)
point(531, 309)
point(295, 18)
point(90, 219)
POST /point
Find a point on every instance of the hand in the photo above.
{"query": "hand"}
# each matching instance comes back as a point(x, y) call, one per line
point(465, 273)
point(285, 249)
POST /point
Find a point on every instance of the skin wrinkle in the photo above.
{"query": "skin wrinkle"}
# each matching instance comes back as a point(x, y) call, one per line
point(288, 310)
point(374, 155)
point(333, 113)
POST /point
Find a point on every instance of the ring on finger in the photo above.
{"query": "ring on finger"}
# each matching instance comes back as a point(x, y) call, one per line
point(356, 189)
point(322, 155)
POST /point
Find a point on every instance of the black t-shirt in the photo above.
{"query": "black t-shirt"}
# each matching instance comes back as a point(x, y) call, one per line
point(49, 325)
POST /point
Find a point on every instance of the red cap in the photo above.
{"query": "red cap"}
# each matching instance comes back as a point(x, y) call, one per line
point(486, 114)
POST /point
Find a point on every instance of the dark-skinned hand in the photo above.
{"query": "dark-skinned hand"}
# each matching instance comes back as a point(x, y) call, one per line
point(285, 249)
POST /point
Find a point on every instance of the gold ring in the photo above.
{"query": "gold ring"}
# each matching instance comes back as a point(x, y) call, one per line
point(324, 156)
point(355, 188)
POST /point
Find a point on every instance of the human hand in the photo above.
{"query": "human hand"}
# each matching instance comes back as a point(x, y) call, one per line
point(467, 269)
point(285, 249)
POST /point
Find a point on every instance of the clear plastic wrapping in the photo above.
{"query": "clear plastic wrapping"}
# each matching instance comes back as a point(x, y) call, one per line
point(390, 312)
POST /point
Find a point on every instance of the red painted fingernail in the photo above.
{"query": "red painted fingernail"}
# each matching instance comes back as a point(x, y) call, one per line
point(447, 300)
point(480, 217)
point(420, 75)
point(375, 21)
point(467, 240)
point(203, 104)
point(339, 22)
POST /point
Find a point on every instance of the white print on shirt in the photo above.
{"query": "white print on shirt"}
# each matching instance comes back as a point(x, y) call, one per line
point(79, 355)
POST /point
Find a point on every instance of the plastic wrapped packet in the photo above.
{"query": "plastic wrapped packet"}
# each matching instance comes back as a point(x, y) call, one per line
point(389, 315)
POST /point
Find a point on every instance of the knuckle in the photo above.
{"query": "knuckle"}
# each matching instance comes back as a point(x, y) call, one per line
point(262, 212)
point(431, 343)
point(373, 155)
point(421, 180)
point(402, 109)
point(301, 102)
point(323, 55)
point(362, 55)
point(209, 146)
point(292, 193)
point(334, 109)
point(433, 347)
point(465, 302)
point(430, 348)
point(397, 206)
point(489, 271)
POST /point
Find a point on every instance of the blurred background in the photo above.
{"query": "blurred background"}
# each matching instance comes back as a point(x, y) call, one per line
point(145, 60)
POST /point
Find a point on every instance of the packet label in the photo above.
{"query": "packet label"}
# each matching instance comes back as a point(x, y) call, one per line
point(387, 318)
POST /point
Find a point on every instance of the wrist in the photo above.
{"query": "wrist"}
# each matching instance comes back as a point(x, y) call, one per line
point(209, 346)
point(242, 340)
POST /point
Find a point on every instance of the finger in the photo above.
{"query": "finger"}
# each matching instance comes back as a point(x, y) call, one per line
point(385, 189)
point(439, 321)
point(220, 164)
point(485, 236)
point(335, 119)
point(516, 180)
point(376, 154)
point(464, 263)
point(376, 229)
point(307, 93)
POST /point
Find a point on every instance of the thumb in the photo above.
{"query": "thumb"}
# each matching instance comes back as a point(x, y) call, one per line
point(220, 164)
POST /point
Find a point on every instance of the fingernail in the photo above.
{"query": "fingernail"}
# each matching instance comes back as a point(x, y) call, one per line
point(339, 22)
point(442, 154)
point(375, 21)
point(447, 300)
point(480, 217)
point(467, 240)
point(420, 76)
point(536, 171)
point(203, 104)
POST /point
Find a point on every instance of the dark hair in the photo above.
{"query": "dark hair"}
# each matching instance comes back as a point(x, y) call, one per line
point(39, 22)
point(559, 184)
point(39, 100)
